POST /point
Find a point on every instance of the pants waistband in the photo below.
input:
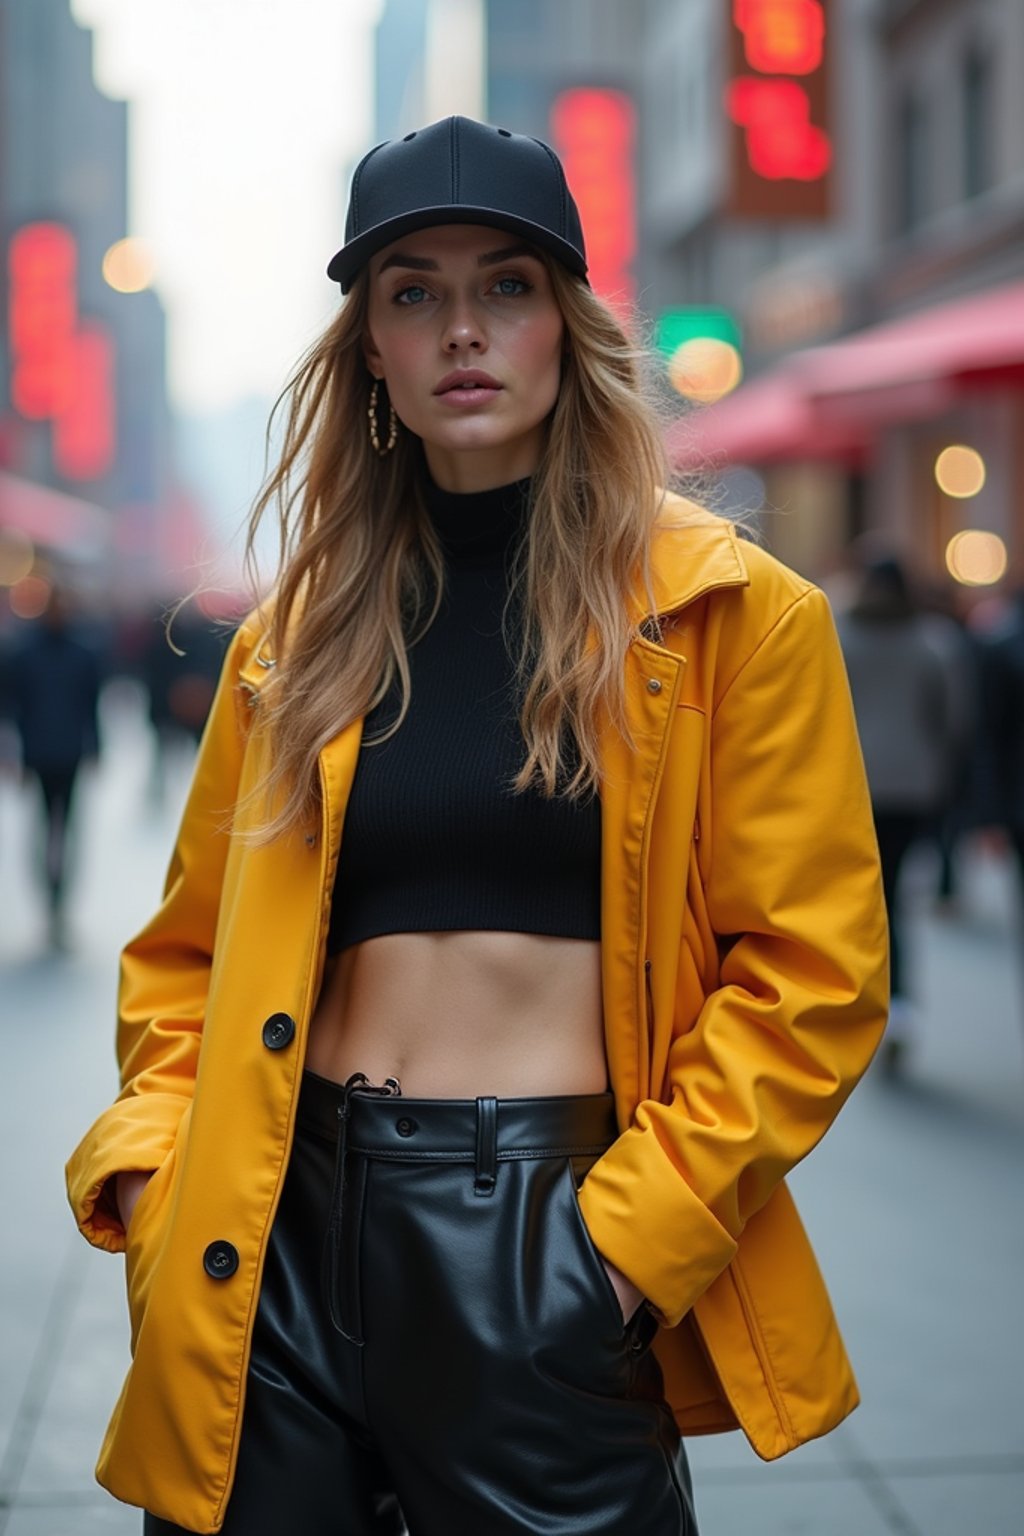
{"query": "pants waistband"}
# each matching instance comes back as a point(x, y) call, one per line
point(449, 1130)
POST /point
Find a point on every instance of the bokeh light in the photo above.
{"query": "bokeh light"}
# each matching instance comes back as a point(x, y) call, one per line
point(128, 266)
point(975, 558)
point(705, 369)
point(960, 471)
point(17, 556)
point(29, 597)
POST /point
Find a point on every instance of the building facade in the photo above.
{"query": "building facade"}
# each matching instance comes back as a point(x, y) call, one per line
point(926, 202)
point(914, 111)
point(951, 190)
point(429, 63)
point(83, 405)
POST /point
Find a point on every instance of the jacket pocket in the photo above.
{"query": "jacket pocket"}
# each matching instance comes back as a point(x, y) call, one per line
point(142, 1239)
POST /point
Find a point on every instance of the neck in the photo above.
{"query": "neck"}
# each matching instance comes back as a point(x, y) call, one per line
point(484, 469)
point(478, 527)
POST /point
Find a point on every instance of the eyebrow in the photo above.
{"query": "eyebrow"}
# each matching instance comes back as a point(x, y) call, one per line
point(427, 264)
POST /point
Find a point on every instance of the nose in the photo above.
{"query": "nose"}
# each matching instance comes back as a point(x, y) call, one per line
point(464, 330)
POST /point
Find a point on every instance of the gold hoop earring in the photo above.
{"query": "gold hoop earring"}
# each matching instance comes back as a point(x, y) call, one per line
point(375, 442)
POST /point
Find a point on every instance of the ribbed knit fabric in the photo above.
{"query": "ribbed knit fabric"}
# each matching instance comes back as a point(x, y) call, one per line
point(433, 837)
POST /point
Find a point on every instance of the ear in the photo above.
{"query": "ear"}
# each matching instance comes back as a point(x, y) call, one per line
point(372, 356)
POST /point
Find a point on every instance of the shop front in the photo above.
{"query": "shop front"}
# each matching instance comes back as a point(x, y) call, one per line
point(854, 437)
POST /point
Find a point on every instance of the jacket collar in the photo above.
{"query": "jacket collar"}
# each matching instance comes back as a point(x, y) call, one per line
point(693, 552)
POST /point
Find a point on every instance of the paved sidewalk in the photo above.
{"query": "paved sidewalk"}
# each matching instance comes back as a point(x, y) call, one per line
point(913, 1202)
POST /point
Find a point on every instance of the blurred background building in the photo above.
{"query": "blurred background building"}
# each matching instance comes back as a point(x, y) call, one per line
point(817, 208)
point(429, 62)
point(88, 489)
point(877, 287)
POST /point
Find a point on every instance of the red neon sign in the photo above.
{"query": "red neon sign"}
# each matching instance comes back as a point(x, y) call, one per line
point(777, 98)
point(43, 266)
point(62, 369)
point(83, 436)
point(785, 37)
point(781, 139)
point(595, 134)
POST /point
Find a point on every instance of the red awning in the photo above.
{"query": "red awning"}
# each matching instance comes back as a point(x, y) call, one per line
point(771, 420)
point(51, 518)
point(828, 402)
point(967, 342)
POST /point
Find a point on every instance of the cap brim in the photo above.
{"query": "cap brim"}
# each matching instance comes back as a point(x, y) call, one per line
point(344, 266)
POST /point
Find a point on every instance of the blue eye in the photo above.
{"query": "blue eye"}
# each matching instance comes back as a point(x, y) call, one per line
point(414, 294)
point(510, 287)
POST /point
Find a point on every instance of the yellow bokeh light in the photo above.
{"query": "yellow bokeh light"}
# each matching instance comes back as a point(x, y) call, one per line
point(29, 597)
point(128, 266)
point(705, 369)
point(975, 558)
point(960, 471)
point(17, 556)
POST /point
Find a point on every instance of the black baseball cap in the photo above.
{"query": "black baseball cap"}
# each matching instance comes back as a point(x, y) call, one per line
point(459, 171)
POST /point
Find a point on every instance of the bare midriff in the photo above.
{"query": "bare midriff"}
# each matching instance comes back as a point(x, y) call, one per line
point(464, 1014)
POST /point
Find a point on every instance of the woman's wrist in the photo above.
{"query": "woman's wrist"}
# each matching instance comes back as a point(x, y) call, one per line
point(128, 1186)
point(630, 1297)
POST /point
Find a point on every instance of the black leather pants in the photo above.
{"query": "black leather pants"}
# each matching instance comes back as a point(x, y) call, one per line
point(438, 1349)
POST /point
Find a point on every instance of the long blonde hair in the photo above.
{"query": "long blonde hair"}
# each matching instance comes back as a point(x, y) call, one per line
point(361, 570)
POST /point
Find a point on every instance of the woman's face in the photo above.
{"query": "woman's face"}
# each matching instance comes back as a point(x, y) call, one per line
point(464, 329)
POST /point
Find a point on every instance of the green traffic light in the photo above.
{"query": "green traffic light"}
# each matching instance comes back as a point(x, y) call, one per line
point(678, 326)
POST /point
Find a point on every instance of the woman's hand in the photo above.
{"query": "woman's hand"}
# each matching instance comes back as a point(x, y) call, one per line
point(629, 1297)
point(128, 1188)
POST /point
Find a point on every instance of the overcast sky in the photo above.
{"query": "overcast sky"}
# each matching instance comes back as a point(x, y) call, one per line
point(246, 115)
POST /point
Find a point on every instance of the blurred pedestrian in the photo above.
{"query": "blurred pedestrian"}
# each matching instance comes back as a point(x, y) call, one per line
point(909, 716)
point(180, 663)
point(1000, 788)
point(530, 823)
point(9, 753)
point(953, 817)
point(54, 685)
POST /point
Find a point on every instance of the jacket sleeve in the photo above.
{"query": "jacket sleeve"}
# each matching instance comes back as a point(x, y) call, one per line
point(794, 897)
point(164, 981)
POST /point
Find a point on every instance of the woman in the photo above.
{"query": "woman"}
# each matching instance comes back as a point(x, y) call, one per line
point(531, 823)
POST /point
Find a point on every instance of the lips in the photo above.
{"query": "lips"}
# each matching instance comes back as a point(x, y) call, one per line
point(467, 380)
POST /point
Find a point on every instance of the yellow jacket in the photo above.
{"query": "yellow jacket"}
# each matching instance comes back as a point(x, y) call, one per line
point(744, 976)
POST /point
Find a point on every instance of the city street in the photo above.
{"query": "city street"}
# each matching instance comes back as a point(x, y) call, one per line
point(914, 1203)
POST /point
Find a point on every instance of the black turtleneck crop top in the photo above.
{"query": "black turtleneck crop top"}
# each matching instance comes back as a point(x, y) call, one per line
point(433, 836)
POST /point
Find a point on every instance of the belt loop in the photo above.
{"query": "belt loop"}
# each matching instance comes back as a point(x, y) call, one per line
point(486, 1147)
